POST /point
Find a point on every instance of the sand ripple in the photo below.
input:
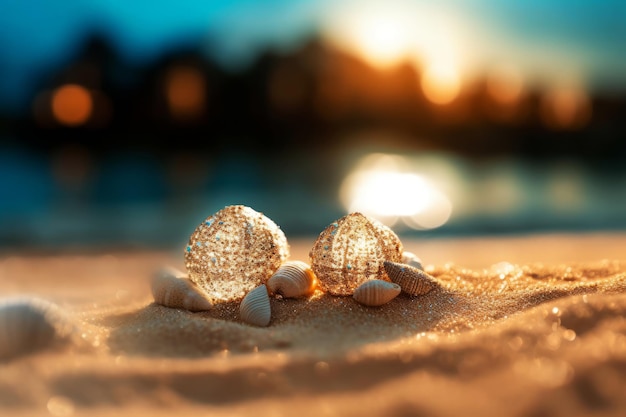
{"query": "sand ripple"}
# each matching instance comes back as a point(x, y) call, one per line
point(510, 339)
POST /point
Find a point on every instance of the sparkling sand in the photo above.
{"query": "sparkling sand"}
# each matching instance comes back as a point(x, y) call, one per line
point(521, 326)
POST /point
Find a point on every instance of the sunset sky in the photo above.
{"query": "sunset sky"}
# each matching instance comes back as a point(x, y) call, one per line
point(561, 41)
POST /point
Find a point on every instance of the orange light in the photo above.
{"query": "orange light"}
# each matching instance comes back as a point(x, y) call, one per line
point(441, 84)
point(566, 108)
point(72, 105)
point(185, 88)
point(505, 85)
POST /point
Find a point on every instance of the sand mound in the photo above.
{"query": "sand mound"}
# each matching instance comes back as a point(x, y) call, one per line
point(534, 339)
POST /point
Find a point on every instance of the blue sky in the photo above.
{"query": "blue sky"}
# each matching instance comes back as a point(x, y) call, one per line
point(588, 37)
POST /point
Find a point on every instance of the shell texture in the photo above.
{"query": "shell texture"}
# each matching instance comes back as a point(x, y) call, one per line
point(293, 279)
point(412, 259)
point(234, 251)
point(255, 307)
point(171, 288)
point(413, 281)
point(28, 324)
point(376, 292)
point(351, 251)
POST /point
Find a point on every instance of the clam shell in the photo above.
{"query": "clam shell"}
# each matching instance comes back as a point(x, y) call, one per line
point(28, 324)
point(376, 292)
point(293, 279)
point(255, 307)
point(171, 288)
point(351, 251)
point(234, 251)
point(412, 280)
point(412, 259)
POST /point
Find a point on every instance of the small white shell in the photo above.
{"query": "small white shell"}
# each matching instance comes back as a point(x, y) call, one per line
point(412, 259)
point(293, 279)
point(255, 307)
point(376, 292)
point(412, 280)
point(171, 288)
point(29, 324)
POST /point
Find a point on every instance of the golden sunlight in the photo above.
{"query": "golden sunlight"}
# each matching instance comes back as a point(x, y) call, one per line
point(383, 37)
point(386, 34)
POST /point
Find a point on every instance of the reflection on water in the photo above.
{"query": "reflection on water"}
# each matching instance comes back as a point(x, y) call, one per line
point(431, 190)
point(74, 197)
point(391, 189)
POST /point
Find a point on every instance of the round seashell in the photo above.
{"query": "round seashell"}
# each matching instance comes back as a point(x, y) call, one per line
point(412, 259)
point(351, 251)
point(170, 288)
point(376, 292)
point(255, 307)
point(28, 324)
point(234, 251)
point(412, 280)
point(293, 279)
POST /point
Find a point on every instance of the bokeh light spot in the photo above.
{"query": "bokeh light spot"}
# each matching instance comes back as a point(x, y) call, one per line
point(185, 88)
point(441, 83)
point(72, 105)
point(566, 108)
point(505, 84)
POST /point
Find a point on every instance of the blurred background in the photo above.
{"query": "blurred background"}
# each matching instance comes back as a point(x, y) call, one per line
point(126, 123)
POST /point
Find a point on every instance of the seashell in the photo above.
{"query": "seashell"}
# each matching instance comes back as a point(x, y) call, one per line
point(171, 288)
point(255, 307)
point(351, 251)
point(412, 280)
point(412, 259)
point(293, 279)
point(376, 292)
point(234, 251)
point(28, 324)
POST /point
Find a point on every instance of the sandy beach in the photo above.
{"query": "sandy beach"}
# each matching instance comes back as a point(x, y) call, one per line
point(521, 326)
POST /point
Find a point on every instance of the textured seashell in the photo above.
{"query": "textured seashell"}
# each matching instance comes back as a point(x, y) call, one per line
point(29, 324)
point(255, 307)
point(412, 259)
point(351, 251)
point(376, 292)
point(412, 280)
point(293, 279)
point(234, 251)
point(171, 288)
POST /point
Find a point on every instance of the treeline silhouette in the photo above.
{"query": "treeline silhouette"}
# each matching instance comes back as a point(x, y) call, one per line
point(307, 98)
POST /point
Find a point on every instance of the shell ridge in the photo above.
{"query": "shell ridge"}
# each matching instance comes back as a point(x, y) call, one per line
point(376, 292)
point(293, 279)
point(412, 280)
point(255, 307)
point(173, 292)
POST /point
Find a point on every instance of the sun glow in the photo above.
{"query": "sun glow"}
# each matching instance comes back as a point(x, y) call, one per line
point(385, 34)
point(382, 37)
